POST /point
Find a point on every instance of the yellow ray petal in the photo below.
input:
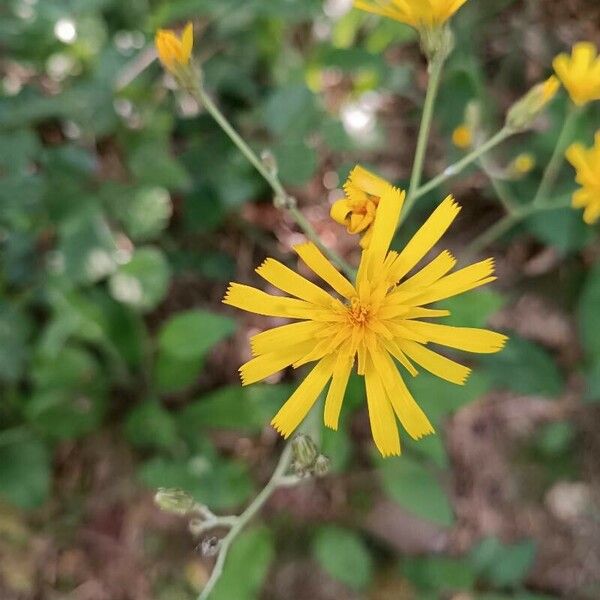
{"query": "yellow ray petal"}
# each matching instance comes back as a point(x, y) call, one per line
point(384, 227)
point(277, 338)
point(300, 402)
point(413, 419)
point(265, 365)
point(437, 268)
point(187, 42)
point(458, 282)
point(425, 313)
point(427, 236)
point(468, 339)
point(392, 347)
point(256, 301)
point(381, 415)
point(290, 282)
point(337, 389)
point(318, 264)
point(435, 363)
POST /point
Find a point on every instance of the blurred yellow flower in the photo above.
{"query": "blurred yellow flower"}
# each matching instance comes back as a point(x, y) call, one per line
point(580, 72)
point(523, 164)
point(373, 323)
point(174, 51)
point(356, 211)
point(417, 13)
point(587, 163)
point(462, 137)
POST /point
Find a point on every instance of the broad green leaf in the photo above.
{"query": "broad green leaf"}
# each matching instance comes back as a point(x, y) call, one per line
point(14, 331)
point(416, 489)
point(297, 162)
point(472, 309)
point(192, 334)
point(147, 213)
point(247, 566)
point(439, 573)
point(290, 110)
point(173, 374)
point(343, 554)
point(142, 282)
point(24, 472)
point(247, 409)
point(563, 229)
point(525, 368)
point(149, 425)
point(503, 565)
point(588, 315)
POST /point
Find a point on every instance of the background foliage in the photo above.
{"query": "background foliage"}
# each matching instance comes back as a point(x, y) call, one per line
point(124, 211)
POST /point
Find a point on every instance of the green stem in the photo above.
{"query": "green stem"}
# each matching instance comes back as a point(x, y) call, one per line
point(505, 224)
point(240, 522)
point(501, 190)
point(553, 169)
point(436, 68)
point(282, 198)
point(462, 164)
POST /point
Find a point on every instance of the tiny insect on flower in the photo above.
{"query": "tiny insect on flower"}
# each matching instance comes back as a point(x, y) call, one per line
point(580, 72)
point(374, 323)
point(416, 13)
point(462, 137)
point(356, 211)
point(587, 163)
point(174, 52)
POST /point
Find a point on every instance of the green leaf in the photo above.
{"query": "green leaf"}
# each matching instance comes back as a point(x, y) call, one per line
point(503, 565)
point(297, 162)
point(563, 229)
point(246, 567)
point(147, 213)
point(142, 282)
point(441, 573)
point(247, 409)
point(525, 368)
point(290, 110)
point(472, 309)
point(588, 315)
point(192, 334)
point(415, 488)
point(24, 472)
point(149, 425)
point(343, 554)
point(174, 375)
point(218, 483)
point(14, 331)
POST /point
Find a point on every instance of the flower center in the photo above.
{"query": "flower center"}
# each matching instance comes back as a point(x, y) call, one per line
point(358, 314)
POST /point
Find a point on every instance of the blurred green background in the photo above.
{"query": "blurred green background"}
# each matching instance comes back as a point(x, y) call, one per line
point(124, 212)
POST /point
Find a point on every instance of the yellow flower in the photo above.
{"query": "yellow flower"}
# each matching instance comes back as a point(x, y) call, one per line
point(374, 323)
point(174, 52)
point(580, 72)
point(356, 211)
point(523, 164)
point(417, 13)
point(462, 137)
point(587, 163)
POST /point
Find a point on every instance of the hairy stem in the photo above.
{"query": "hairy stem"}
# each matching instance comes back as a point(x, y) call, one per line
point(282, 198)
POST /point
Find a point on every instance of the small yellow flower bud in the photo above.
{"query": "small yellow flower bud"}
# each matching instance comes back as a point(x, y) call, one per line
point(174, 52)
point(523, 164)
point(175, 501)
point(462, 137)
point(524, 112)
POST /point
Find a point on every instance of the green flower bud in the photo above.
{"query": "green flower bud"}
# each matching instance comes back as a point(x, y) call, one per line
point(304, 452)
point(175, 501)
point(321, 466)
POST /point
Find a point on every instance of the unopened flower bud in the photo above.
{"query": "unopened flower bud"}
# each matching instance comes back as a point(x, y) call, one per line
point(304, 452)
point(521, 165)
point(321, 466)
point(175, 501)
point(268, 159)
point(524, 112)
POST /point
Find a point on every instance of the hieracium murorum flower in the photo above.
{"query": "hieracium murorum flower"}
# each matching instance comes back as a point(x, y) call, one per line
point(174, 52)
point(357, 209)
point(419, 14)
point(587, 163)
point(580, 72)
point(374, 324)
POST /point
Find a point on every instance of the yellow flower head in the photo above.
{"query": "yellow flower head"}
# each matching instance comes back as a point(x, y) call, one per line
point(374, 324)
point(174, 51)
point(417, 13)
point(523, 164)
point(580, 72)
point(587, 163)
point(462, 137)
point(356, 211)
